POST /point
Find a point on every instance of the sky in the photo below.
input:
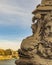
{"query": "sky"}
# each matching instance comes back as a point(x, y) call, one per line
point(15, 21)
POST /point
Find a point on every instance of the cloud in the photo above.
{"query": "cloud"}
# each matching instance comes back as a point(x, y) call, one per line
point(17, 12)
point(10, 14)
point(17, 9)
point(10, 9)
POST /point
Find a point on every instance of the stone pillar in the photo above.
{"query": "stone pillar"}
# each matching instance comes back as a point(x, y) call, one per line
point(37, 48)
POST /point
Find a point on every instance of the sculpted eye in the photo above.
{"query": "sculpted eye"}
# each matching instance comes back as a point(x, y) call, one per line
point(49, 27)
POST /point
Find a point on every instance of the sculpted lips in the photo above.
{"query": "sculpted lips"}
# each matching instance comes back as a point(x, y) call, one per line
point(50, 34)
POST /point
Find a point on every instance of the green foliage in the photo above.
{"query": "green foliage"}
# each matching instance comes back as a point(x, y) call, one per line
point(8, 52)
point(2, 52)
point(5, 52)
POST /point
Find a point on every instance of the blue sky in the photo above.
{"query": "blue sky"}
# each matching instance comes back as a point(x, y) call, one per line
point(15, 21)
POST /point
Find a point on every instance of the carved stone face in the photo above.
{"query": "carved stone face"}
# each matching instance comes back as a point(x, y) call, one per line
point(48, 32)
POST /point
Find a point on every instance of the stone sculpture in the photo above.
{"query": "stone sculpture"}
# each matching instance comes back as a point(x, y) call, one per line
point(37, 48)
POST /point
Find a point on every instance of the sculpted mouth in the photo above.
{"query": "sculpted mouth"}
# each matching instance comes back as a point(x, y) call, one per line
point(50, 44)
point(50, 34)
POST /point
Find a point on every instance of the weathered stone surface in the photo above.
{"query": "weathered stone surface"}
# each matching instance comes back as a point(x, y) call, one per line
point(37, 48)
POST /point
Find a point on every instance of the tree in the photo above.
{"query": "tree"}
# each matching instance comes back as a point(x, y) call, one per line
point(2, 52)
point(8, 52)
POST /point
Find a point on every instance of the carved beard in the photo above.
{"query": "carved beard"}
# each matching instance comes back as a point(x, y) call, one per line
point(48, 37)
point(46, 43)
point(45, 49)
point(48, 32)
point(47, 40)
